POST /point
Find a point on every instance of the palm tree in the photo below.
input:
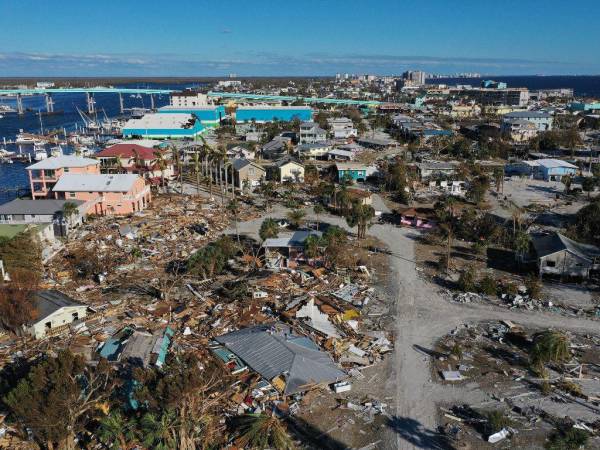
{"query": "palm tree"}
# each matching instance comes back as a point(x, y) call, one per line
point(360, 216)
point(139, 164)
point(567, 180)
point(268, 191)
point(499, 179)
point(296, 217)
point(115, 429)
point(118, 165)
point(234, 208)
point(549, 346)
point(69, 210)
point(318, 210)
point(311, 246)
point(197, 169)
point(178, 165)
point(161, 163)
point(269, 229)
point(159, 432)
point(261, 431)
point(447, 222)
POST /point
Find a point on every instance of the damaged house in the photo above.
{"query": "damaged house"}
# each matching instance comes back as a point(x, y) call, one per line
point(290, 362)
point(138, 347)
point(556, 254)
point(287, 248)
point(55, 313)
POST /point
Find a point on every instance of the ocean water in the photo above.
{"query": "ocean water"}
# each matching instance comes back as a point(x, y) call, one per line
point(13, 177)
point(583, 86)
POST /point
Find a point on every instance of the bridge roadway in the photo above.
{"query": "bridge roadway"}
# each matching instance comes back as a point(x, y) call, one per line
point(231, 95)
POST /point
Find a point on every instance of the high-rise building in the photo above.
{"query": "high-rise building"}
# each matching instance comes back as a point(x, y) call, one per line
point(415, 77)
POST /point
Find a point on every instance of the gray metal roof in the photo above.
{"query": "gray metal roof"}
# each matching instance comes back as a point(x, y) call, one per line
point(74, 182)
point(38, 207)
point(295, 239)
point(274, 350)
point(50, 301)
point(58, 162)
point(527, 114)
point(556, 242)
point(240, 163)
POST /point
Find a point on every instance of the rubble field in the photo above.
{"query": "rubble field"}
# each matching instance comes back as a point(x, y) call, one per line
point(492, 357)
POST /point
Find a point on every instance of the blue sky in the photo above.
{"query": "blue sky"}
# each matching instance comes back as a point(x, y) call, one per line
point(300, 37)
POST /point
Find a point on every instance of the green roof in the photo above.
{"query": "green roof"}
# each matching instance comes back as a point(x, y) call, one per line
point(10, 231)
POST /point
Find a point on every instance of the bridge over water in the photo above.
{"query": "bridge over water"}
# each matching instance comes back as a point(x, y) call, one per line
point(89, 93)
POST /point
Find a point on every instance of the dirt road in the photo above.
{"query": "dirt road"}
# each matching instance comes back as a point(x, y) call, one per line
point(423, 316)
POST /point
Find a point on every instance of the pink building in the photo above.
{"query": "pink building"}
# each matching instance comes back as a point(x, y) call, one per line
point(134, 158)
point(44, 174)
point(107, 193)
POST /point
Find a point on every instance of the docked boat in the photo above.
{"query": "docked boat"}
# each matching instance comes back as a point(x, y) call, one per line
point(39, 152)
point(6, 109)
point(6, 154)
point(25, 139)
point(83, 150)
point(56, 151)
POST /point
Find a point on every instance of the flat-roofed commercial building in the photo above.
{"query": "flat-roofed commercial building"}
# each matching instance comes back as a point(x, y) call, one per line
point(163, 126)
point(261, 114)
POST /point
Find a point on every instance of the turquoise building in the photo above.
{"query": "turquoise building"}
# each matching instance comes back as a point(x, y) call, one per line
point(164, 126)
point(580, 106)
point(353, 171)
point(209, 116)
point(261, 114)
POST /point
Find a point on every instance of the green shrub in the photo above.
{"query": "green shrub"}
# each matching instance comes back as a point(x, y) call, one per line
point(496, 420)
point(466, 282)
point(568, 439)
point(487, 285)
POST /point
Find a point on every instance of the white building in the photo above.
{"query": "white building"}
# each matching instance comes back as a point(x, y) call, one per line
point(316, 150)
point(312, 133)
point(56, 312)
point(542, 120)
point(342, 127)
point(188, 99)
point(229, 83)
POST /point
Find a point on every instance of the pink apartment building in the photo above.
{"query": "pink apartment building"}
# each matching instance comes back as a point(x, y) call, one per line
point(107, 193)
point(135, 158)
point(44, 174)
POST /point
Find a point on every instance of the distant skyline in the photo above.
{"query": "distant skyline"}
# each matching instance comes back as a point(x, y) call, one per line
point(302, 38)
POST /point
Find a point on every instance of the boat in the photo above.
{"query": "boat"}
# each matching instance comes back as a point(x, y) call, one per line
point(6, 154)
point(84, 151)
point(39, 152)
point(6, 109)
point(5, 160)
point(56, 151)
point(25, 139)
point(1, 116)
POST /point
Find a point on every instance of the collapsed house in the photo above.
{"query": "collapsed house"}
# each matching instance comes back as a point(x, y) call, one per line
point(290, 362)
point(284, 250)
point(138, 347)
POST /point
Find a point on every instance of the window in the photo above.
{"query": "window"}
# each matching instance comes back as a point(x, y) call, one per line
point(66, 169)
point(550, 263)
point(72, 194)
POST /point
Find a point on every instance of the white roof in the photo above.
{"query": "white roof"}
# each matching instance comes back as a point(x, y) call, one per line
point(161, 120)
point(551, 163)
point(75, 182)
point(58, 162)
